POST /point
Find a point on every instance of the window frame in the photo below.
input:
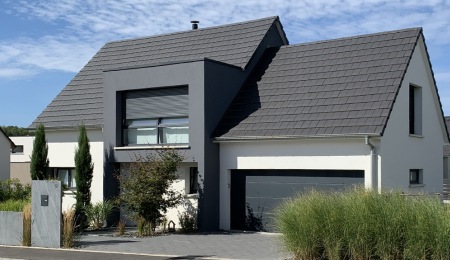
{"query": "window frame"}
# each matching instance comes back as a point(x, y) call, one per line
point(160, 125)
point(71, 182)
point(415, 110)
point(415, 177)
point(14, 151)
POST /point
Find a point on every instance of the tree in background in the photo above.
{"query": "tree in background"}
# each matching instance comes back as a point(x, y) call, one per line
point(145, 190)
point(84, 169)
point(39, 161)
point(16, 131)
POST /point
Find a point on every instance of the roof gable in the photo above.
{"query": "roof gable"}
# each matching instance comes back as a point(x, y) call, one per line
point(7, 137)
point(82, 99)
point(337, 87)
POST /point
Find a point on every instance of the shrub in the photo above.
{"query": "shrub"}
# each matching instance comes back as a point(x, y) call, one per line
point(360, 224)
point(12, 189)
point(120, 230)
point(26, 236)
point(187, 222)
point(69, 235)
point(13, 205)
point(98, 213)
point(39, 161)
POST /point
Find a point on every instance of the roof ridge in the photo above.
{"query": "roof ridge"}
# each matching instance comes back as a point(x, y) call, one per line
point(199, 29)
point(352, 37)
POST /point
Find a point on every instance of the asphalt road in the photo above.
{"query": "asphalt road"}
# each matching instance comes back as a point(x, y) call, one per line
point(10, 253)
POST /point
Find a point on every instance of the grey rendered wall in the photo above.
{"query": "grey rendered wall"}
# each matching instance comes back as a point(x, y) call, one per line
point(46, 220)
point(11, 228)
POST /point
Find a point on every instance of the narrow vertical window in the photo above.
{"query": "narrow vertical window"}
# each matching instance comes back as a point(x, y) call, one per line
point(415, 110)
point(193, 180)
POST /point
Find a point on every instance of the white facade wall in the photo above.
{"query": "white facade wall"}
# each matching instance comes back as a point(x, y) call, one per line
point(331, 154)
point(5, 147)
point(401, 151)
point(61, 153)
point(27, 143)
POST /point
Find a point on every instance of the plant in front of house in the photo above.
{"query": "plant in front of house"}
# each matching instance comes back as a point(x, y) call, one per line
point(146, 188)
point(14, 195)
point(69, 227)
point(39, 161)
point(84, 169)
point(361, 224)
point(26, 235)
point(188, 222)
point(98, 213)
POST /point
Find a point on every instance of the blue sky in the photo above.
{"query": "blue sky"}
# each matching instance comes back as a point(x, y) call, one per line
point(44, 43)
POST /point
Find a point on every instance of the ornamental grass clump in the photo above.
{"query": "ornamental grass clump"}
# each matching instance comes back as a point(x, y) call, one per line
point(361, 224)
point(26, 235)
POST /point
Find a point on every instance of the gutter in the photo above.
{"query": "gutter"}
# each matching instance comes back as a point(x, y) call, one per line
point(373, 163)
point(292, 137)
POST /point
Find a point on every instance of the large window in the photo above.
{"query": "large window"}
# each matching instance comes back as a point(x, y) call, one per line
point(415, 110)
point(65, 175)
point(156, 116)
point(157, 131)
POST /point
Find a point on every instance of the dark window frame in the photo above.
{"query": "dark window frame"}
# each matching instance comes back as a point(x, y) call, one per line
point(193, 180)
point(71, 172)
point(415, 176)
point(17, 150)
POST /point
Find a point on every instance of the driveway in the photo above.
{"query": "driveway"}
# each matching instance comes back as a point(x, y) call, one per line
point(221, 245)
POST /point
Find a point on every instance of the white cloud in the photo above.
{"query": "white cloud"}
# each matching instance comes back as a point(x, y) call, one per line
point(14, 73)
point(88, 24)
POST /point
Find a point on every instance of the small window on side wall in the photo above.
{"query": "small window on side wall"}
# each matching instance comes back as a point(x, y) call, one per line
point(193, 180)
point(415, 176)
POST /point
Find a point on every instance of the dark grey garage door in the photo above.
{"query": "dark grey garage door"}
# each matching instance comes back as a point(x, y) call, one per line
point(256, 193)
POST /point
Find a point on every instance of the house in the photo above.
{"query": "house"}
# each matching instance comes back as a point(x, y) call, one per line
point(256, 119)
point(21, 158)
point(6, 145)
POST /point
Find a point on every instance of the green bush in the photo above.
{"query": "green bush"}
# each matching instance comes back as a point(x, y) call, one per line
point(188, 222)
point(360, 224)
point(12, 189)
point(98, 213)
point(13, 205)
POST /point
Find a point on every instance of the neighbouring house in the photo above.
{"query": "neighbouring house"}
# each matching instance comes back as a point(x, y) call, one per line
point(6, 145)
point(21, 158)
point(257, 119)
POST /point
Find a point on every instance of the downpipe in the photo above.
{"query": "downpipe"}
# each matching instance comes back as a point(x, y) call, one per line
point(373, 169)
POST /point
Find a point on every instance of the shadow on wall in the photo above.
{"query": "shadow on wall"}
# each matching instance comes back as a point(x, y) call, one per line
point(111, 187)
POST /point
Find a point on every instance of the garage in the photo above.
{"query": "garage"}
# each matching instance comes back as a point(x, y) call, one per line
point(256, 193)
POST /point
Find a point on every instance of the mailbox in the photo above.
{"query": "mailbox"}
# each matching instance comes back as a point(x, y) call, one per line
point(44, 200)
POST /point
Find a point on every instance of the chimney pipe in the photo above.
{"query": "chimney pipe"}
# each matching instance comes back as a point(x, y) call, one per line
point(195, 25)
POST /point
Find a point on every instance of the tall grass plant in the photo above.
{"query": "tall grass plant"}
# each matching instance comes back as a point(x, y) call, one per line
point(361, 224)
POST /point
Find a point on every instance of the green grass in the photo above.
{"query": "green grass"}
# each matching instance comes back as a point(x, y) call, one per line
point(360, 224)
point(13, 205)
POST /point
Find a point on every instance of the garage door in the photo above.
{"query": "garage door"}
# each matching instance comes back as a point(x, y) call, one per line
point(256, 193)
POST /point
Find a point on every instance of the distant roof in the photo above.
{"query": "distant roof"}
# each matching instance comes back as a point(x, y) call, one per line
point(7, 137)
point(82, 99)
point(335, 87)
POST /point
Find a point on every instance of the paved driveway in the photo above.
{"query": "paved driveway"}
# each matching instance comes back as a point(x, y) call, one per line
point(223, 245)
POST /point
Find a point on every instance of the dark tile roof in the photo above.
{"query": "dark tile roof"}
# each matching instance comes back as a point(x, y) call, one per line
point(447, 147)
point(335, 87)
point(82, 99)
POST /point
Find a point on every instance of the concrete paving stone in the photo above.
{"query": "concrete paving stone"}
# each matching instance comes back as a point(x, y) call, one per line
point(225, 245)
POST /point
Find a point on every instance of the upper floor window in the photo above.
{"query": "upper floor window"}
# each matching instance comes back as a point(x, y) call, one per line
point(156, 116)
point(157, 131)
point(415, 110)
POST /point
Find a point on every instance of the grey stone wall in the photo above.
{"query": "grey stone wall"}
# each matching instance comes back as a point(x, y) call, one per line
point(11, 228)
point(46, 214)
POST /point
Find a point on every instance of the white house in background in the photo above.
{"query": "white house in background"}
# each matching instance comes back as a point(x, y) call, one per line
point(21, 158)
point(6, 145)
point(257, 120)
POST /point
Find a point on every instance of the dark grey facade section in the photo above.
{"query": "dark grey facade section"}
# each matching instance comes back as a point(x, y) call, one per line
point(81, 100)
point(335, 87)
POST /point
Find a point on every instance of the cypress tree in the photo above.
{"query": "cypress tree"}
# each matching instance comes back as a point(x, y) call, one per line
point(83, 171)
point(39, 161)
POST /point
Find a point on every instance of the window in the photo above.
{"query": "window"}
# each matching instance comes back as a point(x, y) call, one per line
point(65, 175)
point(157, 131)
point(155, 116)
point(415, 110)
point(18, 149)
point(193, 180)
point(415, 176)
